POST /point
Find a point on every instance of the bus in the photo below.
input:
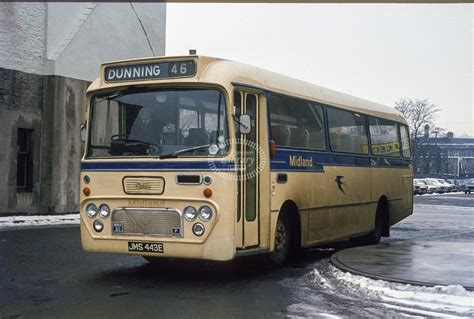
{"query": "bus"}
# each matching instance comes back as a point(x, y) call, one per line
point(206, 158)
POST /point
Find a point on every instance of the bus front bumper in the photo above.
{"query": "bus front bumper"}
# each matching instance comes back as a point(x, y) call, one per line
point(219, 247)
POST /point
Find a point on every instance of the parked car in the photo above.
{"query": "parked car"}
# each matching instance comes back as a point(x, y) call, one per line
point(432, 186)
point(434, 182)
point(466, 186)
point(455, 184)
point(445, 183)
point(419, 187)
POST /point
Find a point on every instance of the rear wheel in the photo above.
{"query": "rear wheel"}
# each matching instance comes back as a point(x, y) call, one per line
point(374, 236)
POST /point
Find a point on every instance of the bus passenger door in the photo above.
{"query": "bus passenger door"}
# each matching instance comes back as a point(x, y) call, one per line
point(247, 227)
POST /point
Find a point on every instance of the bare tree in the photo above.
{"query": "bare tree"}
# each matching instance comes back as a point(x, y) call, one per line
point(418, 113)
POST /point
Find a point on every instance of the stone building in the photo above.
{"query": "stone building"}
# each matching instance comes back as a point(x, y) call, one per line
point(446, 157)
point(49, 53)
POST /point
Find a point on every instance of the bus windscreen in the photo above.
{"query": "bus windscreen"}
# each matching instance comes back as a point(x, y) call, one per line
point(159, 122)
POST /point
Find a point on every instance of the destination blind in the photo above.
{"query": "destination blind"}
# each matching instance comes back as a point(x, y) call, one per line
point(149, 71)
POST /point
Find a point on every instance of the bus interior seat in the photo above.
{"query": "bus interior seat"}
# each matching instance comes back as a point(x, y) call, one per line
point(196, 137)
point(281, 134)
point(316, 139)
point(299, 137)
point(346, 143)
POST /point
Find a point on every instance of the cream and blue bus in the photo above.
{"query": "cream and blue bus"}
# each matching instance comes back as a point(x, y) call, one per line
point(205, 158)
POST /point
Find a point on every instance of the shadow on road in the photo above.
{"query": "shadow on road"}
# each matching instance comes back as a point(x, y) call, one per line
point(188, 271)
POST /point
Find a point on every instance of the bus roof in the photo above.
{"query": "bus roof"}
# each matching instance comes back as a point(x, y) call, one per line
point(228, 73)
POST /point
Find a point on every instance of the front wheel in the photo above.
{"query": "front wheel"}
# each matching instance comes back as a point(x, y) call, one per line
point(282, 242)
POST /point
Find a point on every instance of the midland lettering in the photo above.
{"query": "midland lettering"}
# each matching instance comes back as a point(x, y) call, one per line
point(300, 161)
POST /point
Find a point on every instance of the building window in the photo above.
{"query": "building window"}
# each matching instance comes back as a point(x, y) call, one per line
point(24, 168)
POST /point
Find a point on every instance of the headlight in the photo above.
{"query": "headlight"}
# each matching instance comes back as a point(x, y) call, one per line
point(190, 213)
point(91, 210)
point(98, 226)
point(198, 229)
point(205, 213)
point(104, 211)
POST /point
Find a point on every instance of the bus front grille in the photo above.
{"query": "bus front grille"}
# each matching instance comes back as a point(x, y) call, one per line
point(147, 221)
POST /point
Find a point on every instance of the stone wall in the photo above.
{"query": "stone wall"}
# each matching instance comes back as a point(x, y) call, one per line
point(21, 102)
point(54, 107)
point(64, 110)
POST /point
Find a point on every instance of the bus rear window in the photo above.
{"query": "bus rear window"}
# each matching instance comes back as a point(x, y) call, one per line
point(405, 138)
point(384, 137)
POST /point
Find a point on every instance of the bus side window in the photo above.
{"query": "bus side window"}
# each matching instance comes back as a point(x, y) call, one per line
point(281, 134)
point(317, 138)
point(347, 131)
point(296, 123)
point(384, 137)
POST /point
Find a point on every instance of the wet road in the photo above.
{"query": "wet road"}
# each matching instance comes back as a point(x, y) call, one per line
point(44, 273)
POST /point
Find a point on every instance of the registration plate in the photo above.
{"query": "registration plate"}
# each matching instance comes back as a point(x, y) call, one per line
point(146, 247)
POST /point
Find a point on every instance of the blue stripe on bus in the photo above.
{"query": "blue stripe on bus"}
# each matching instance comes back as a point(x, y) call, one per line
point(281, 161)
point(157, 166)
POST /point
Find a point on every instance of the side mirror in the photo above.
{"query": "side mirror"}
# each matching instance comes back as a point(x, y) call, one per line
point(83, 132)
point(245, 124)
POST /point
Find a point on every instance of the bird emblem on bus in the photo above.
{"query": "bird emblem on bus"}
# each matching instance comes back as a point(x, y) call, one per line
point(142, 185)
point(340, 183)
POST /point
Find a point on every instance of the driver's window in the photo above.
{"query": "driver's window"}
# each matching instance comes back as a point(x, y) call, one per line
point(108, 128)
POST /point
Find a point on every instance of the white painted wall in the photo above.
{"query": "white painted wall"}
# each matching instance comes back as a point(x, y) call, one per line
point(23, 36)
point(73, 39)
point(102, 32)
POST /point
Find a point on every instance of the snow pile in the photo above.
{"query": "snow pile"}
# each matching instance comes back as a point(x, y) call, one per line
point(327, 292)
point(445, 301)
point(38, 220)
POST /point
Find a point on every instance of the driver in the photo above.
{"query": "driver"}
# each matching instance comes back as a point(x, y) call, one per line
point(146, 127)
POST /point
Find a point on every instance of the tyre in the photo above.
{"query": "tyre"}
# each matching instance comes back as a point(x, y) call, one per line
point(375, 235)
point(283, 237)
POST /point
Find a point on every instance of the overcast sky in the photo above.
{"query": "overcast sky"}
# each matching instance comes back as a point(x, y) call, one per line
point(379, 52)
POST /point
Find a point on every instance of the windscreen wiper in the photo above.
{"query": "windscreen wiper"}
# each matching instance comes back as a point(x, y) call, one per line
point(185, 150)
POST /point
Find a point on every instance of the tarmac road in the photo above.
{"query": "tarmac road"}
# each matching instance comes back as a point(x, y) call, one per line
point(45, 273)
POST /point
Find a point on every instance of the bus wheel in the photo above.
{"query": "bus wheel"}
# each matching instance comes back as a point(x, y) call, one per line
point(282, 242)
point(374, 236)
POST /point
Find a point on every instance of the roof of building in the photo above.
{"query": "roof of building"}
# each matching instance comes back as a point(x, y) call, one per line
point(455, 141)
point(228, 73)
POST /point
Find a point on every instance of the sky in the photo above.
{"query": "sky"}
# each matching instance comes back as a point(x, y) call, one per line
point(380, 52)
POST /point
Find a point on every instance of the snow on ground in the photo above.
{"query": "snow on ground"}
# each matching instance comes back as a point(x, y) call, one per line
point(431, 301)
point(9, 222)
point(443, 194)
point(327, 291)
point(434, 207)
